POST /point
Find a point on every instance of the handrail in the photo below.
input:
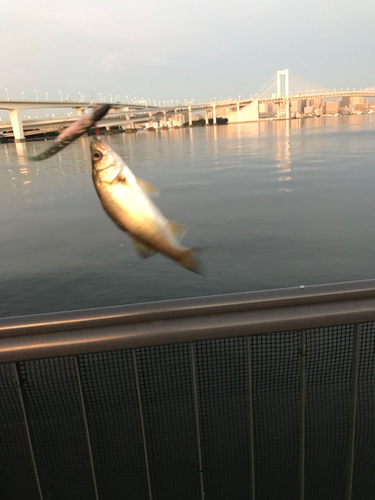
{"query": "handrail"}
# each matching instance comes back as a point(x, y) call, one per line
point(184, 320)
point(181, 308)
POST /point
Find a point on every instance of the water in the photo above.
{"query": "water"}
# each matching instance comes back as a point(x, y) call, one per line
point(269, 204)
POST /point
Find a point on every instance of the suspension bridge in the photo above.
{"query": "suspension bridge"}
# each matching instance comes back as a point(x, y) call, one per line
point(281, 90)
point(286, 85)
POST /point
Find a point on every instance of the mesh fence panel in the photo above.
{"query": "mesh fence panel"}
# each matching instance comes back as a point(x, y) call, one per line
point(223, 402)
point(54, 412)
point(328, 368)
point(112, 409)
point(364, 457)
point(275, 386)
point(16, 467)
point(167, 393)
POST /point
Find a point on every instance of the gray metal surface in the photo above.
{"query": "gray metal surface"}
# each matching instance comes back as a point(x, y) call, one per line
point(257, 395)
point(185, 320)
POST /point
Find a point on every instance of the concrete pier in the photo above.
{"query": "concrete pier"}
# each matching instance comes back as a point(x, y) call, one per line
point(246, 113)
point(190, 117)
point(16, 120)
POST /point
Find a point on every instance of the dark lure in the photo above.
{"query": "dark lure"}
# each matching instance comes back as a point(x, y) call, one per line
point(72, 133)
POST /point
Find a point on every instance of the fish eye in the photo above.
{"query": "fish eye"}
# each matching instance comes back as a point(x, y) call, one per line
point(97, 155)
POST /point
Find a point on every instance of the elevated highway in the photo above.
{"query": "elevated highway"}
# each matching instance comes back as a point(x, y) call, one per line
point(282, 89)
point(17, 104)
point(43, 125)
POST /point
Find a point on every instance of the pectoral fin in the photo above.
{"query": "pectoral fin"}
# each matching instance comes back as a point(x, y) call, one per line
point(177, 230)
point(143, 249)
point(147, 187)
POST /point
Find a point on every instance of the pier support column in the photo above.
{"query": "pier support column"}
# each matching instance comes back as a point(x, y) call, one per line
point(214, 121)
point(206, 117)
point(287, 110)
point(190, 117)
point(16, 120)
point(80, 111)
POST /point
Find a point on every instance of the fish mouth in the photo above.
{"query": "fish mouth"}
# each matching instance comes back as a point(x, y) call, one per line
point(96, 142)
point(97, 145)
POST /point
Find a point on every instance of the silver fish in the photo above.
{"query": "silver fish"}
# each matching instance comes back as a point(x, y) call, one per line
point(126, 201)
point(72, 133)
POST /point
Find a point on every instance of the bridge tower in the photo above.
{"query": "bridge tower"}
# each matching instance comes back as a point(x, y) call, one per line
point(283, 77)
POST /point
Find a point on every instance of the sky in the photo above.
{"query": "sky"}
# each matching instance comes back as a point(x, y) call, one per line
point(178, 49)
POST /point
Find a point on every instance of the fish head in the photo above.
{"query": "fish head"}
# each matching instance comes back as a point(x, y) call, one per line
point(100, 155)
point(107, 165)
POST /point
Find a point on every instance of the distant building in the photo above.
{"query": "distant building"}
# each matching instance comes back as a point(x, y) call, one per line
point(266, 110)
point(354, 103)
point(308, 110)
point(358, 103)
point(297, 106)
point(357, 100)
point(332, 107)
point(360, 106)
point(317, 103)
point(345, 101)
point(263, 107)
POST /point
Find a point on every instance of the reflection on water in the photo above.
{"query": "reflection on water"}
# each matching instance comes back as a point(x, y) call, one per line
point(21, 152)
point(270, 204)
point(283, 153)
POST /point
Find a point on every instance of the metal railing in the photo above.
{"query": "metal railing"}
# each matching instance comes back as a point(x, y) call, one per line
point(252, 395)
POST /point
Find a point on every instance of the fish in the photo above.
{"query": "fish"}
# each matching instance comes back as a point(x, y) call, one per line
point(126, 199)
point(71, 133)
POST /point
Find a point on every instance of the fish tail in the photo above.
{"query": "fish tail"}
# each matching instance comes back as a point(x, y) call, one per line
point(189, 260)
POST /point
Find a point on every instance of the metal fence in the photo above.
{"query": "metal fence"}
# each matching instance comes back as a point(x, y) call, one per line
point(267, 395)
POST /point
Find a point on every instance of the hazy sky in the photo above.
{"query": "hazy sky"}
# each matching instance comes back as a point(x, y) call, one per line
point(164, 49)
